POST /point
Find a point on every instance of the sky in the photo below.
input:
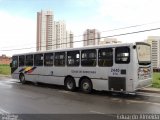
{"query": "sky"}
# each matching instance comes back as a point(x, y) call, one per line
point(18, 20)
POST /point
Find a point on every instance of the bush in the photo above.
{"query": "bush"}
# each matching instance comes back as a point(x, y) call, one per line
point(156, 80)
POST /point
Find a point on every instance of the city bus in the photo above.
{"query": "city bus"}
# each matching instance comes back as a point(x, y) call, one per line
point(122, 67)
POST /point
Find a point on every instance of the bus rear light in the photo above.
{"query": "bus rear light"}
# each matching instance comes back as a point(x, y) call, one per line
point(144, 72)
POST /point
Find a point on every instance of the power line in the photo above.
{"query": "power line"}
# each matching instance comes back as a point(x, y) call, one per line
point(132, 26)
point(110, 30)
point(135, 32)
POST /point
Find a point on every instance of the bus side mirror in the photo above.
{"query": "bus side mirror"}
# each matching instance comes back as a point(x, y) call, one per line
point(11, 65)
point(134, 46)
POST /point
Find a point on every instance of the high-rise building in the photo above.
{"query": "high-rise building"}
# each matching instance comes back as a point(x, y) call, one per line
point(69, 39)
point(52, 34)
point(60, 28)
point(44, 30)
point(62, 38)
point(154, 41)
point(109, 41)
point(91, 37)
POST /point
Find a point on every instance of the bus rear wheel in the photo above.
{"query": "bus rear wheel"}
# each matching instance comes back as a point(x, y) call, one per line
point(22, 78)
point(86, 85)
point(70, 84)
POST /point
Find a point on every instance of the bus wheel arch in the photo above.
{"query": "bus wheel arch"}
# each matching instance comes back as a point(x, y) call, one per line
point(69, 83)
point(22, 78)
point(85, 84)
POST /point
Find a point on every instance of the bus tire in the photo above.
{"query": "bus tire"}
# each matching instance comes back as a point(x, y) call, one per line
point(86, 85)
point(22, 78)
point(70, 84)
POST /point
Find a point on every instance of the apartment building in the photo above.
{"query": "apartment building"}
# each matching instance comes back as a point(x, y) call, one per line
point(44, 30)
point(91, 37)
point(52, 34)
point(154, 41)
point(69, 39)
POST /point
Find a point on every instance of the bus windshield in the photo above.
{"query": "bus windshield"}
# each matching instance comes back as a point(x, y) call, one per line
point(143, 53)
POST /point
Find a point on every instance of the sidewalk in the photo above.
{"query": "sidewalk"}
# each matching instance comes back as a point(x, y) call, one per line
point(150, 90)
point(5, 75)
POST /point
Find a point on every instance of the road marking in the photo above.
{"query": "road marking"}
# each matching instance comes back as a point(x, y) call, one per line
point(133, 101)
point(96, 112)
point(115, 99)
point(5, 85)
point(3, 111)
point(149, 95)
point(63, 91)
point(9, 81)
point(66, 92)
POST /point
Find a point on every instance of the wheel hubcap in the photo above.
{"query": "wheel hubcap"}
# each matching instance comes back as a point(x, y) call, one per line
point(85, 86)
point(70, 84)
point(22, 78)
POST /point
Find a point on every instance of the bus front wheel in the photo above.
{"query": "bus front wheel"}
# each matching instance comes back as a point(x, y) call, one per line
point(70, 84)
point(86, 85)
point(22, 78)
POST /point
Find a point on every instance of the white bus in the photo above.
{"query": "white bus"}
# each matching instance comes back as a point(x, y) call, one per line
point(123, 67)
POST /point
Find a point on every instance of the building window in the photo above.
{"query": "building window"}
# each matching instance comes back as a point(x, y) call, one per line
point(88, 57)
point(48, 59)
point(29, 60)
point(21, 60)
point(122, 55)
point(59, 59)
point(73, 58)
point(38, 60)
point(105, 57)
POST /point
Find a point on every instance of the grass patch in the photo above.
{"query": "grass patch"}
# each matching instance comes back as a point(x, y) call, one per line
point(156, 80)
point(5, 69)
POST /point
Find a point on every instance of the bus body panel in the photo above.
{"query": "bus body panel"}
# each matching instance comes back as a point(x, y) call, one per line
point(100, 84)
point(118, 77)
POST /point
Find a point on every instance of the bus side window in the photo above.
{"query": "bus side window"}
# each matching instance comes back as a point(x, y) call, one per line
point(29, 60)
point(122, 55)
point(88, 57)
point(21, 60)
point(105, 57)
point(59, 59)
point(38, 60)
point(73, 58)
point(14, 61)
point(48, 59)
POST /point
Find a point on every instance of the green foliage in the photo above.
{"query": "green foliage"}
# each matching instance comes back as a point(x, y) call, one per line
point(5, 69)
point(156, 80)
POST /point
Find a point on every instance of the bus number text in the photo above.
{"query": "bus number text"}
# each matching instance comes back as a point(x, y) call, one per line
point(115, 71)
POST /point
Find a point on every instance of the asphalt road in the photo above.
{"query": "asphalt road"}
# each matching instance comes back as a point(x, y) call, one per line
point(47, 100)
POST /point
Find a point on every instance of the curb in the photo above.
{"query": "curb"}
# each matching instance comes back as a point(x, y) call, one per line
point(1, 75)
